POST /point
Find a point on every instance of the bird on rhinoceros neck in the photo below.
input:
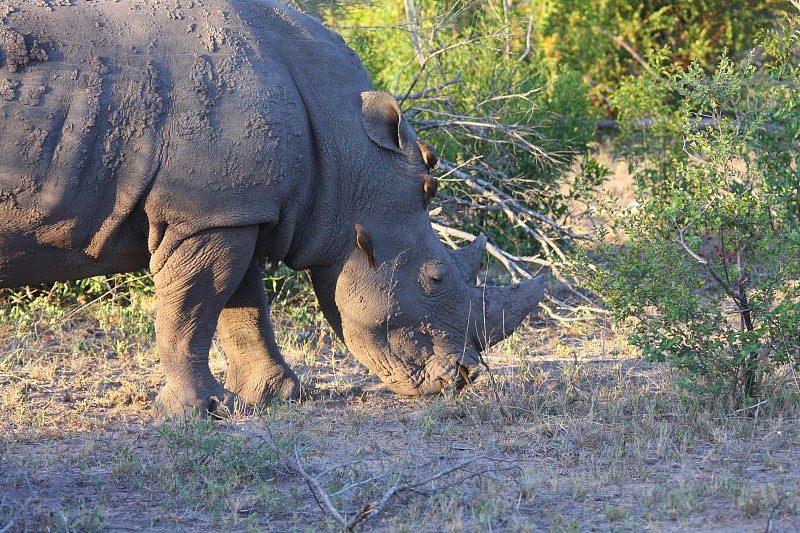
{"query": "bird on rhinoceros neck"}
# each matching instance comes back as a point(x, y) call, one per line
point(364, 242)
point(465, 375)
point(430, 186)
point(428, 155)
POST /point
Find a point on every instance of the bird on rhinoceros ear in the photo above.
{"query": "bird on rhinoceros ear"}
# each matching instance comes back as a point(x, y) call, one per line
point(364, 243)
point(428, 155)
point(430, 187)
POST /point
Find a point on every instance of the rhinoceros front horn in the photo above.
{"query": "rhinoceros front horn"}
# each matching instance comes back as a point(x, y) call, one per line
point(468, 258)
point(503, 308)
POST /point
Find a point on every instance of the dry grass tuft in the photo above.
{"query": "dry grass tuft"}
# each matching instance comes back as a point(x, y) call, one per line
point(595, 438)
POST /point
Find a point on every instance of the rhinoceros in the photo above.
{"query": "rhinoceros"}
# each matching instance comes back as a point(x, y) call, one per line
point(200, 137)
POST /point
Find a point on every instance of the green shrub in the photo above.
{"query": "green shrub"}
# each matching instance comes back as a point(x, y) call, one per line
point(58, 300)
point(611, 40)
point(710, 272)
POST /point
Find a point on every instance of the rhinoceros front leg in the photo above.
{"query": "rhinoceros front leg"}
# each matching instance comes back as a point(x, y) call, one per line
point(193, 285)
point(256, 369)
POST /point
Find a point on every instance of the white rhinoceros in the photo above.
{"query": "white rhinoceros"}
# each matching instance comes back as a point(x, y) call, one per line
point(199, 137)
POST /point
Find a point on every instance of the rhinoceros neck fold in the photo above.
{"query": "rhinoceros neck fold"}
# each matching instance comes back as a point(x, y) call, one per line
point(324, 281)
point(329, 79)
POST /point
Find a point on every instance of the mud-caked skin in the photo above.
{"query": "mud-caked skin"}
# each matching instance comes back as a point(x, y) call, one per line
point(197, 139)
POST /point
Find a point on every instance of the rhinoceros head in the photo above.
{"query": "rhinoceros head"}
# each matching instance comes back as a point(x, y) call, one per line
point(412, 313)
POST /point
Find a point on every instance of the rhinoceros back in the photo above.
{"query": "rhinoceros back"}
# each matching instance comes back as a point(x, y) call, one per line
point(120, 121)
point(80, 121)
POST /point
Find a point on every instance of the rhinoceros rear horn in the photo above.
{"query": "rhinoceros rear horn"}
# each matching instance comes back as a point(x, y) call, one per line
point(384, 122)
point(468, 258)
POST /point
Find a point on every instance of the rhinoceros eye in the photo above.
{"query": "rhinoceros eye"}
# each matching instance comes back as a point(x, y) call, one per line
point(431, 275)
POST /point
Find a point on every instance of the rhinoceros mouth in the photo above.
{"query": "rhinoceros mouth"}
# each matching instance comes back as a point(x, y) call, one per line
point(419, 361)
point(432, 377)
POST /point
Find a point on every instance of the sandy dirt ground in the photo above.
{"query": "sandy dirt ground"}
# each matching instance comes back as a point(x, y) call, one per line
point(576, 434)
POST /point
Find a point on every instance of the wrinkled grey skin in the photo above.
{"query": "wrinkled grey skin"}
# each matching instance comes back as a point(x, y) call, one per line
point(200, 140)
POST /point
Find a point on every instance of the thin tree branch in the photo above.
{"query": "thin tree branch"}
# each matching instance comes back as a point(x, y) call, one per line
point(628, 48)
point(681, 239)
point(412, 20)
point(316, 488)
point(369, 509)
point(18, 512)
point(424, 93)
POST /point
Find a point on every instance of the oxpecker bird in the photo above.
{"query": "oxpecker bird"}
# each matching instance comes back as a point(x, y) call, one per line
point(430, 186)
point(464, 374)
point(364, 243)
point(428, 155)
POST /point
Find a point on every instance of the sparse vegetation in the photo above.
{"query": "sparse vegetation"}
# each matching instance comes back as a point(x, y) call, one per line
point(710, 266)
point(579, 429)
point(598, 437)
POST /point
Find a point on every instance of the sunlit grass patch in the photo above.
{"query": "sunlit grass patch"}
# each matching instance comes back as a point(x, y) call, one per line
point(576, 432)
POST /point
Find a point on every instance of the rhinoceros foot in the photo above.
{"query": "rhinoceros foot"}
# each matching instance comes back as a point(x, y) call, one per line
point(186, 400)
point(262, 384)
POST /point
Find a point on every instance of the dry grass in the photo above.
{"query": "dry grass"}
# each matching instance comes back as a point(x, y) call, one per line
point(599, 440)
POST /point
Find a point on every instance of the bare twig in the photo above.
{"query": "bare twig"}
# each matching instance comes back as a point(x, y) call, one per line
point(528, 46)
point(754, 406)
point(514, 265)
point(628, 48)
point(680, 238)
point(316, 488)
point(506, 416)
point(778, 504)
point(19, 511)
point(412, 20)
point(515, 210)
point(510, 262)
point(431, 90)
point(369, 509)
point(351, 486)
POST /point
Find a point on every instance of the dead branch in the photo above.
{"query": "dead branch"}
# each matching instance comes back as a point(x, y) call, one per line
point(295, 466)
point(528, 46)
point(519, 214)
point(370, 509)
point(412, 20)
point(510, 262)
point(18, 512)
point(505, 414)
point(619, 41)
point(513, 264)
point(680, 238)
point(431, 90)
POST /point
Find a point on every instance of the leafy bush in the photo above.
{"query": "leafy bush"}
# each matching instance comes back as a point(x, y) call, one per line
point(710, 273)
point(611, 40)
point(61, 299)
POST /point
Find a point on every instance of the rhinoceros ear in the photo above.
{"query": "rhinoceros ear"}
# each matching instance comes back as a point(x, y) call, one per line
point(384, 122)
